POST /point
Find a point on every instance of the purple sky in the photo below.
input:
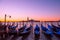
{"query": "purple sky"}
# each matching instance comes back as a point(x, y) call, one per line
point(35, 9)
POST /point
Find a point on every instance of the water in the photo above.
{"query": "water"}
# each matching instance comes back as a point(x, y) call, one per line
point(31, 36)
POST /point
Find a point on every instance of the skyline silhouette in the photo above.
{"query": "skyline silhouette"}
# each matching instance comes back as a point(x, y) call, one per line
point(44, 10)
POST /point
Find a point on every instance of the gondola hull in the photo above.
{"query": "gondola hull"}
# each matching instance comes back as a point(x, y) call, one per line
point(47, 34)
point(21, 30)
point(37, 32)
point(46, 31)
point(37, 35)
point(56, 30)
point(57, 34)
point(13, 32)
point(25, 31)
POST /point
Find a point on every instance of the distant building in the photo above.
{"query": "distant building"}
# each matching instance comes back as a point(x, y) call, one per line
point(30, 20)
point(33, 20)
point(27, 18)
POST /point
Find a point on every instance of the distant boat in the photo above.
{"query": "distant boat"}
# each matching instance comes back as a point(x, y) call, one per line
point(46, 31)
point(37, 31)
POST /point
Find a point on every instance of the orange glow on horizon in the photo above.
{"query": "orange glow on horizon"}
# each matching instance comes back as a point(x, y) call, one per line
point(40, 19)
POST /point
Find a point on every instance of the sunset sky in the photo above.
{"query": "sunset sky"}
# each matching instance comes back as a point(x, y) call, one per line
point(34, 9)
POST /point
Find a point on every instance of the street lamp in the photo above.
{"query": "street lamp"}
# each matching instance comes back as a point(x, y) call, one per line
point(5, 18)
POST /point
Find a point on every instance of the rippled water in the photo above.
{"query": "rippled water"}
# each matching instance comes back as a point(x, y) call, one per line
point(31, 36)
point(20, 24)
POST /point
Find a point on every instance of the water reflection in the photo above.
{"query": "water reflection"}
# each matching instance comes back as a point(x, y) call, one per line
point(34, 24)
point(48, 37)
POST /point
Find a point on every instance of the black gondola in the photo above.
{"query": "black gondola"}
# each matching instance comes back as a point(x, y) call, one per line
point(12, 30)
point(37, 32)
point(21, 30)
point(26, 31)
point(3, 30)
point(58, 25)
point(46, 31)
point(50, 27)
point(56, 30)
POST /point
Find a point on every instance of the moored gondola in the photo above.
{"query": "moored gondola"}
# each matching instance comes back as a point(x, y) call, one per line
point(59, 25)
point(50, 28)
point(21, 30)
point(26, 31)
point(56, 30)
point(3, 30)
point(37, 32)
point(12, 30)
point(47, 32)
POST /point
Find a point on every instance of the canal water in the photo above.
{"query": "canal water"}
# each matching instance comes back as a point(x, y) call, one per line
point(31, 36)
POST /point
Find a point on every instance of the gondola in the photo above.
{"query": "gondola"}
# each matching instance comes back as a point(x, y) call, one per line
point(46, 31)
point(12, 30)
point(37, 32)
point(21, 30)
point(3, 30)
point(50, 27)
point(56, 30)
point(53, 28)
point(26, 31)
point(59, 25)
